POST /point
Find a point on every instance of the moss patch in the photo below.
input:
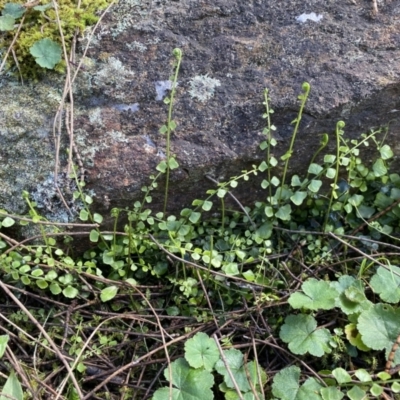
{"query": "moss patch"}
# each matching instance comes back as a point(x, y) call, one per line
point(38, 25)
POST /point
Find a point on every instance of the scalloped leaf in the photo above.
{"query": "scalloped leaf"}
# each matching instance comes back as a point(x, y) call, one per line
point(201, 351)
point(188, 383)
point(300, 332)
point(47, 53)
point(317, 295)
point(379, 327)
point(386, 283)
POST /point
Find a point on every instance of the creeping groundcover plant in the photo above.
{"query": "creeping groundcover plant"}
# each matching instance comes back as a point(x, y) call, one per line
point(294, 298)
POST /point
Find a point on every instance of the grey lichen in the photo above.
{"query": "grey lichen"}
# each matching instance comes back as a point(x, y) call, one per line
point(202, 87)
point(49, 203)
point(112, 77)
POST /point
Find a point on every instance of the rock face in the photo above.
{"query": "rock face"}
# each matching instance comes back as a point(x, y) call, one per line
point(232, 51)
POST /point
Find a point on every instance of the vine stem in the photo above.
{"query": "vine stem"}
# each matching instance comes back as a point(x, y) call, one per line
point(170, 124)
point(339, 131)
point(303, 97)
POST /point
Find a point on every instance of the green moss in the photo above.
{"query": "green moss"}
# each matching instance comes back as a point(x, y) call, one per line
point(38, 25)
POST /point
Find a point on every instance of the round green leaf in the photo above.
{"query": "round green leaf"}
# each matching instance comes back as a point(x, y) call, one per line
point(97, 218)
point(47, 53)
point(386, 152)
point(94, 236)
point(379, 168)
point(341, 375)
point(314, 185)
point(42, 284)
point(14, 10)
point(376, 390)
point(108, 293)
point(70, 292)
point(298, 198)
point(207, 205)
point(7, 23)
point(7, 222)
point(55, 288)
point(201, 351)
point(83, 215)
point(3, 344)
point(173, 163)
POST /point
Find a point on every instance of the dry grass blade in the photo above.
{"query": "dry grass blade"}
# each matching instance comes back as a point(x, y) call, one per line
point(46, 335)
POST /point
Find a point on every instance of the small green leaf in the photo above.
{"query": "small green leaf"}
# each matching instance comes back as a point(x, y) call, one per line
point(47, 53)
point(83, 215)
point(356, 200)
point(249, 275)
point(42, 284)
point(201, 351)
point(207, 205)
point(194, 217)
point(97, 218)
point(341, 375)
point(376, 390)
point(386, 152)
point(231, 269)
point(12, 389)
point(263, 166)
point(273, 162)
point(88, 199)
point(331, 393)
point(284, 212)
point(3, 344)
point(314, 169)
point(108, 293)
point(7, 23)
point(296, 181)
point(298, 198)
point(7, 222)
point(315, 185)
point(163, 129)
point(162, 166)
point(329, 158)
point(330, 173)
point(14, 10)
point(70, 292)
point(221, 193)
point(172, 125)
point(94, 236)
point(269, 211)
point(379, 168)
point(172, 163)
point(275, 181)
point(265, 230)
point(395, 387)
point(44, 7)
point(384, 376)
point(51, 275)
point(286, 156)
point(356, 393)
point(363, 375)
